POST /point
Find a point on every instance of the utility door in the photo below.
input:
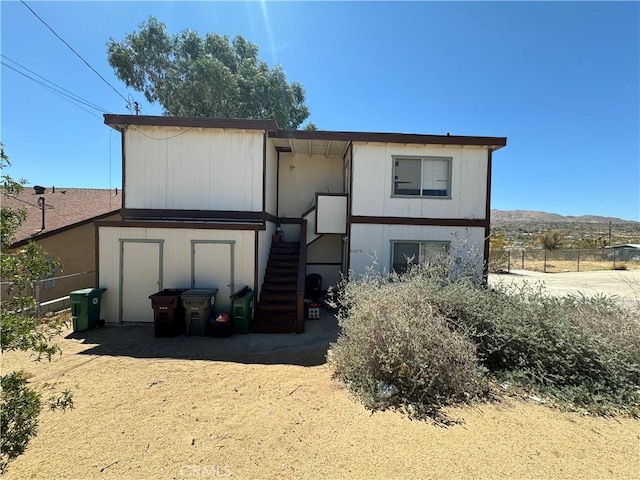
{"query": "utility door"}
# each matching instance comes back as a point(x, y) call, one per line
point(140, 276)
point(212, 267)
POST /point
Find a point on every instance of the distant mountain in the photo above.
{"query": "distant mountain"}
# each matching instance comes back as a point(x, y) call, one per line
point(525, 216)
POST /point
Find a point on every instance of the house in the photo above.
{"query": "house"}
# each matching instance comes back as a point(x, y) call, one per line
point(61, 221)
point(203, 198)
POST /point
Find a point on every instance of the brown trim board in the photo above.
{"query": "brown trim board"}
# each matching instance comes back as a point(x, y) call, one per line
point(256, 261)
point(188, 122)
point(487, 227)
point(437, 222)
point(139, 213)
point(169, 224)
point(264, 172)
point(96, 254)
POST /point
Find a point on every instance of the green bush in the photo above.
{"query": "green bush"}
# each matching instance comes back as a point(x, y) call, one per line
point(431, 338)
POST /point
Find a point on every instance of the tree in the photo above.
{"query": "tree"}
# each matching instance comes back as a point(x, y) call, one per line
point(551, 240)
point(22, 329)
point(205, 76)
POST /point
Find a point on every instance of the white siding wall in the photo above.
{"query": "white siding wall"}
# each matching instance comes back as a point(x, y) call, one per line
point(176, 261)
point(199, 169)
point(301, 176)
point(372, 243)
point(373, 182)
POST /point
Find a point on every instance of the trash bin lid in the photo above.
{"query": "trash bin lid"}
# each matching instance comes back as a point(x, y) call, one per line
point(202, 292)
point(89, 291)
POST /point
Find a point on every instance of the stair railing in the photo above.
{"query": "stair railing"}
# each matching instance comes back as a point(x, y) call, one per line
point(302, 269)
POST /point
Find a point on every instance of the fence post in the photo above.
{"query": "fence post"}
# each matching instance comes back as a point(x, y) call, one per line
point(544, 265)
point(578, 260)
point(508, 261)
point(614, 258)
point(37, 295)
point(522, 259)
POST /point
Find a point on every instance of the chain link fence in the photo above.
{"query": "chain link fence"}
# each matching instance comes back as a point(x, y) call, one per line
point(53, 293)
point(554, 261)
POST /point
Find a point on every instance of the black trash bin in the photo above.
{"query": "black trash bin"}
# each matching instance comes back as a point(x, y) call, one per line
point(168, 312)
point(198, 304)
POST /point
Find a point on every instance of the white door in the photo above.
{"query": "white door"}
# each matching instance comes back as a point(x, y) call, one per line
point(212, 267)
point(140, 276)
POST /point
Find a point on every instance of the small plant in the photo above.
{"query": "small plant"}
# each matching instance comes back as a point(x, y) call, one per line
point(619, 266)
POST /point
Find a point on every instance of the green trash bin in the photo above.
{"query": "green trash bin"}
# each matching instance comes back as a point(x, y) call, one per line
point(242, 305)
point(85, 308)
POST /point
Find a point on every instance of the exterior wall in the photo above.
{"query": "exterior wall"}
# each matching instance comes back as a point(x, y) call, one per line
point(301, 176)
point(176, 263)
point(75, 250)
point(271, 180)
point(324, 256)
point(373, 182)
point(371, 244)
point(193, 169)
point(264, 247)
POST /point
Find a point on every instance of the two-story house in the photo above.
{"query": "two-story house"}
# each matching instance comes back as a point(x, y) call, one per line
point(203, 198)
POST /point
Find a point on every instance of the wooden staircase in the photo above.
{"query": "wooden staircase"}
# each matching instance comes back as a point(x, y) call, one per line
point(277, 310)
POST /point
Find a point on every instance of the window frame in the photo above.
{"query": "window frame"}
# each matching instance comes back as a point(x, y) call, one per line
point(445, 243)
point(422, 158)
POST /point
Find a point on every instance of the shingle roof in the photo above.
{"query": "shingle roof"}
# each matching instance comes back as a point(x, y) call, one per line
point(63, 208)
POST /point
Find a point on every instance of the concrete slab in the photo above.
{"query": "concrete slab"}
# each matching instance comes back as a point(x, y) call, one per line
point(623, 284)
point(309, 348)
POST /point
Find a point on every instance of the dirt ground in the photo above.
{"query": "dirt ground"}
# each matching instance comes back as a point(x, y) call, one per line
point(161, 413)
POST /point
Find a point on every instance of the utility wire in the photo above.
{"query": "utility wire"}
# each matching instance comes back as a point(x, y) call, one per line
point(71, 48)
point(77, 97)
point(63, 95)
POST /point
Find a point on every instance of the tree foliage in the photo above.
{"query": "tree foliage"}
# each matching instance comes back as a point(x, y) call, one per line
point(22, 329)
point(208, 76)
point(551, 240)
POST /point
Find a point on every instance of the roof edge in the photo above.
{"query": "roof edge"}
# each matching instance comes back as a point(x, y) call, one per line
point(41, 236)
point(119, 121)
point(116, 121)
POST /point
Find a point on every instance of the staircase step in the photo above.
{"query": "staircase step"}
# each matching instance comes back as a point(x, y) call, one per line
point(284, 257)
point(282, 245)
point(276, 307)
point(277, 296)
point(282, 263)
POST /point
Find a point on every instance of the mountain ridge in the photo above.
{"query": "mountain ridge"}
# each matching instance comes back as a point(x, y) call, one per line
point(532, 216)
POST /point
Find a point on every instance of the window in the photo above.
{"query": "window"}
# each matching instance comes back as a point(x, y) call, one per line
point(404, 254)
point(422, 176)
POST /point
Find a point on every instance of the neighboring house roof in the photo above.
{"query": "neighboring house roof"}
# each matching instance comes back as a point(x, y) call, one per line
point(121, 121)
point(64, 208)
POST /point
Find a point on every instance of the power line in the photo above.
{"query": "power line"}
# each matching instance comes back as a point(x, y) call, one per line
point(63, 95)
point(76, 97)
point(71, 48)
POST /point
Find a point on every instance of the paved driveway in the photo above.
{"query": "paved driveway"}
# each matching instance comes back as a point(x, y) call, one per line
point(623, 284)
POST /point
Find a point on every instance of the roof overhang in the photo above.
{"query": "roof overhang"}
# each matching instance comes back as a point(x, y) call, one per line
point(120, 121)
point(316, 141)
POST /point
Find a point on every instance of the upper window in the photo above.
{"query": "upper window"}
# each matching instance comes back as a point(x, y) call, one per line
point(405, 254)
point(422, 176)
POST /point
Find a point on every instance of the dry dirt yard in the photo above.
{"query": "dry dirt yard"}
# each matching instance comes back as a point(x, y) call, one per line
point(158, 412)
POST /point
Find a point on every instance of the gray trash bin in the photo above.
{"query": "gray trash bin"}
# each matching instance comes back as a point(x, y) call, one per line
point(198, 304)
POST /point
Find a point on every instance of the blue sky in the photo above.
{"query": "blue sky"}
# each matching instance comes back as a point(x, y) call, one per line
point(560, 80)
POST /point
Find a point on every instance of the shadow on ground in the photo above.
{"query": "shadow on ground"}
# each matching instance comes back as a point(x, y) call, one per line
point(307, 349)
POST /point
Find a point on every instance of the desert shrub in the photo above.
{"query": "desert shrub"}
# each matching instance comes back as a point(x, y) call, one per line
point(426, 339)
point(396, 350)
point(582, 351)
